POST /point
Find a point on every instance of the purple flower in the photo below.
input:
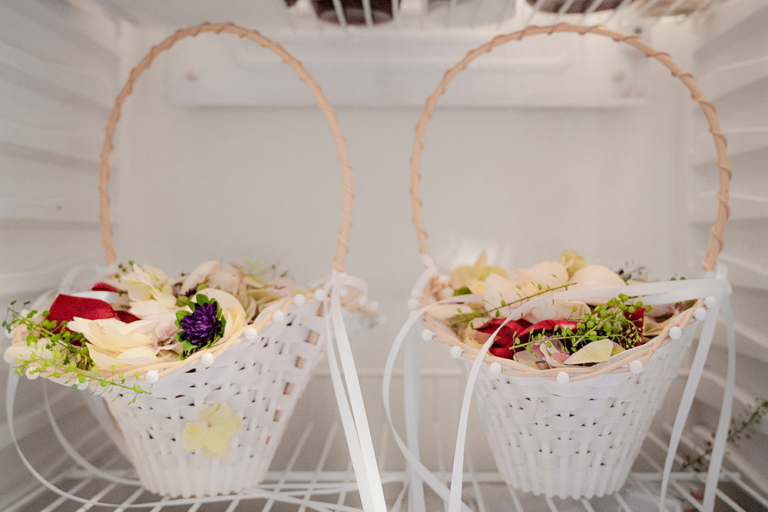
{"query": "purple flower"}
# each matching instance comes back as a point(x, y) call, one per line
point(203, 326)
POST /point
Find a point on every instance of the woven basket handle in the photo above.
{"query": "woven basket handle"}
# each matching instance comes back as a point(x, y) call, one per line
point(304, 76)
point(723, 210)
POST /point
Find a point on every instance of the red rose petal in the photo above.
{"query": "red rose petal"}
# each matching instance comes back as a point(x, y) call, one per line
point(637, 318)
point(67, 307)
point(504, 352)
point(507, 334)
point(127, 317)
point(104, 287)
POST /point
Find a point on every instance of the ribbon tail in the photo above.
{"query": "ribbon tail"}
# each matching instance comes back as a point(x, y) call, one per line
point(411, 394)
point(348, 423)
point(72, 452)
point(425, 474)
point(357, 406)
point(721, 438)
point(689, 394)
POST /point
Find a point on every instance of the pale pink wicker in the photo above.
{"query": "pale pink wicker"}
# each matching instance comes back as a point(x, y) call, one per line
point(581, 438)
point(260, 379)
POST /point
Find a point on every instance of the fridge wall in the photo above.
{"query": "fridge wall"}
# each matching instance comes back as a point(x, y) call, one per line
point(258, 179)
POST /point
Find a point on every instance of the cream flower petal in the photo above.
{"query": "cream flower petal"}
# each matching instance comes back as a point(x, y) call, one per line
point(498, 288)
point(594, 277)
point(138, 355)
point(25, 352)
point(113, 334)
point(547, 274)
point(102, 360)
point(554, 308)
point(200, 275)
point(595, 352)
point(446, 311)
point(528, 359)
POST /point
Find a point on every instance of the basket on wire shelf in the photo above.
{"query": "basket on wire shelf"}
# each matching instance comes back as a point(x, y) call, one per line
point(577, 358)
point(200, 372)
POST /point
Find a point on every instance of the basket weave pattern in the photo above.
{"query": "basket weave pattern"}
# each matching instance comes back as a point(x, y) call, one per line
point(578, 440)
point(258, 379)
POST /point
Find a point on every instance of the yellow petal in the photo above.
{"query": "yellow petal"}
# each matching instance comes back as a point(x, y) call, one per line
point(216, 445)
point(225, 421)
point(461, 276)
point(193, 437)
point(477, 287)
point(481, 262)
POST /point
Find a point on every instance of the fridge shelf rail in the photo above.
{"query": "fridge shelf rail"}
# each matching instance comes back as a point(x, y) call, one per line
point(329, 489)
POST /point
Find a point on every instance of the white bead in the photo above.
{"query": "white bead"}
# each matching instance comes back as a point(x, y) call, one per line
point(299, 300)
point(30, 375)
point(8, 358)
point(251, 333)
point(207, 359)
point(373, 306)
point(710, 302)
point(344, 291)
point(700, 314)
point(82, 386)
point(456, 352)
point(319, 294)
point(152, 376)
point(362, 300)
point(427, 335)
point(563, 378)
point(413, 304)
point(495, 368)
point(675, 333)
point(278, 316)
point(635, 366)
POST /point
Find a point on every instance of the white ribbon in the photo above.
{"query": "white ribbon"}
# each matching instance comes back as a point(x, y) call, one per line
point(652, 293)
point(351, 409)
point(350, 401)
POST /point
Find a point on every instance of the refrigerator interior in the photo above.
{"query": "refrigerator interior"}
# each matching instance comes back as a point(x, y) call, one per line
point(559, 143)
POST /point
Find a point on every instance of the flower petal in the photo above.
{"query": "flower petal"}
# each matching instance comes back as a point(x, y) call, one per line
point(595, 352)
point(193, 437)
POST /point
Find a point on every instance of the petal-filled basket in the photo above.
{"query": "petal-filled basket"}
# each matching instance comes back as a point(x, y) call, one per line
point(569, 432)
point(212, 421)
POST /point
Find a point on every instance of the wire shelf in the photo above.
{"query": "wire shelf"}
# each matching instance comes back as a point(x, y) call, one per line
point(477, 14)
point(328, 487)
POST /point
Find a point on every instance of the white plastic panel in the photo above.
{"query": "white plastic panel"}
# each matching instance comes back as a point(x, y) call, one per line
point(729, 61)
point(58, 74)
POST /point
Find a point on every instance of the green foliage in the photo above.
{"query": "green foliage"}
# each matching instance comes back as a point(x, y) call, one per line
point(739, 430)
point(69, 352)
point(605, 321)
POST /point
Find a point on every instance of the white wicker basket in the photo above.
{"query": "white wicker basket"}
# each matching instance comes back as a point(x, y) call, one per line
point(258, 379)
point(578, 439)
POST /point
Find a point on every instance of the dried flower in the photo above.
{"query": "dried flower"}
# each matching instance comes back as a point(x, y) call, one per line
point(572, 261)
point(463, 275)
